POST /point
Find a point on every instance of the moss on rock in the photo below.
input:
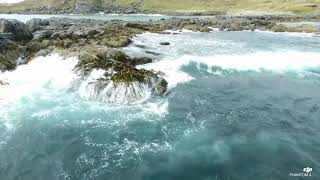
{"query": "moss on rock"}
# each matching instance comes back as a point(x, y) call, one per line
point(309, 28)
point(279, 28)
point(129, 75)
point(300, 28)
point(6, 64)
point(117, 65)
point(121, 41)
point(196, 27)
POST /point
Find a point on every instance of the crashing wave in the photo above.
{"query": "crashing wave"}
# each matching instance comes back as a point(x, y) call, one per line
point(96, 88)
point(111, 76)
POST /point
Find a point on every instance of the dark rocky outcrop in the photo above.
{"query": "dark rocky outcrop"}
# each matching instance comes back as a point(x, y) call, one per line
point(165, 43)
point(10, 52)
point(37, 24)
point(119, 70)
point(42, 34)
point(110, 59)
point(42, 52)
point(17, 30)
point(152, 53)
point(139, 61)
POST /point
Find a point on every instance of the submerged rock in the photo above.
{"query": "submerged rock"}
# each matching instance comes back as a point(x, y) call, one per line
point(165, 43)
point(152, 53)
point(140, 60)
point(140, 46)
point(160, 87)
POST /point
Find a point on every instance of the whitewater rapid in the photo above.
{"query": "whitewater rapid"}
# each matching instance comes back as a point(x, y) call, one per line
point(121, 93)
point(43, 75)
point(273, 62)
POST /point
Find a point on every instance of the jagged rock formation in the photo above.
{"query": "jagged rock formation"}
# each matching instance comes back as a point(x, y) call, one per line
point(13, 36)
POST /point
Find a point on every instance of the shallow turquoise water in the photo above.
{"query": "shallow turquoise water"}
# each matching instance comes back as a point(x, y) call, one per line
point(241, 105)
point(104, 17)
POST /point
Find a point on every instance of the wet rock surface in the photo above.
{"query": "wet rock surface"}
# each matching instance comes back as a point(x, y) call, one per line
point(120, 81)
point(165, 43)
point(17, 30)
point(10, 52)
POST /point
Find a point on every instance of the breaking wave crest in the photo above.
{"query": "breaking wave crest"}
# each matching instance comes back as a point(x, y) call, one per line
point(92, 89)
point(278, 62)
point(41, 75)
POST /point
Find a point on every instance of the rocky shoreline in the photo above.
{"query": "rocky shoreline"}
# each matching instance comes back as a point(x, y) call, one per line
point(97, 43)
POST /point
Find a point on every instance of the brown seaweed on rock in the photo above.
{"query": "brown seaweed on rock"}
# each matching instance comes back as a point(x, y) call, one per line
point(120, 69)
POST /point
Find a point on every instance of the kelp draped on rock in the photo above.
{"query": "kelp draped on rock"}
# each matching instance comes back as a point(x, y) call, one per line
point(121, 81)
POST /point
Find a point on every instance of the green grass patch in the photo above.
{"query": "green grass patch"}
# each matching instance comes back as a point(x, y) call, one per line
point(301, 28)
point(293, 6)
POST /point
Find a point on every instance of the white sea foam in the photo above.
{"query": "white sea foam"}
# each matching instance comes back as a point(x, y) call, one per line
point(271, 61)
point(296, 34)
point(171, 70)
point(10, 1)
point(107, 91)
point(134, 15)
point(45, 75)
point(160, 107)
point(42, 73)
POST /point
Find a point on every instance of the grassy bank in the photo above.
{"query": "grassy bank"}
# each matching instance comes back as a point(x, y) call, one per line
point(291, 6)
point(274, 6)
point(33, 4)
